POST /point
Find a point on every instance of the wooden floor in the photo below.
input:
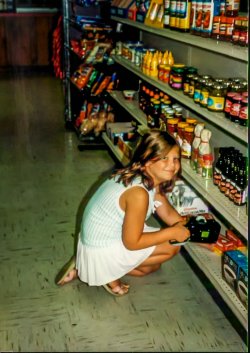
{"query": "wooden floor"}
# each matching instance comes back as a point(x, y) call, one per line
point(45, 181)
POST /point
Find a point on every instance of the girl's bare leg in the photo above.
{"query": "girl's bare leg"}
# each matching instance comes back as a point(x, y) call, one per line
point(161, 254)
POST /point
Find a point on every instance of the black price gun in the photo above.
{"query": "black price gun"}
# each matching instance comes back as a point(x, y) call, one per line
point(203, 229)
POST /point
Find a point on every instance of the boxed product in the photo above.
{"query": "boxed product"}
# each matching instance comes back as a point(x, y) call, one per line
point(236, 240)
point(123, 7)
point(242, 285)
point(185, 200)
point(114, 130)
point(232, 262)
point(132, 12)
point(223, 244)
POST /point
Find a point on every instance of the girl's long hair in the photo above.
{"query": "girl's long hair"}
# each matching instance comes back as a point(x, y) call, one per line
point(151, 146)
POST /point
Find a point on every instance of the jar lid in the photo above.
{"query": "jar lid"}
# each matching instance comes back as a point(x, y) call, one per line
point(173, 121)
point(245, 100)
point(167, 67)
point(189, 129)
point(191, 120)
point(191, 70)
point(178, 66)
point(182, 124)
point(170, 111)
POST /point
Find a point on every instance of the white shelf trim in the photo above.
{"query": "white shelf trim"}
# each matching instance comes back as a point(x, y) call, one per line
point(218, 119)
point(222, 48)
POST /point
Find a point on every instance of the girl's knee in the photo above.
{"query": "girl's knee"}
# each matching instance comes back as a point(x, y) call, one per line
point(146, 270)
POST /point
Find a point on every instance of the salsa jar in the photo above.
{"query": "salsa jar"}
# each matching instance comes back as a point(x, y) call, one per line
point(172, 126)
point(235, 108)
point(243, 115)
point(216, 98)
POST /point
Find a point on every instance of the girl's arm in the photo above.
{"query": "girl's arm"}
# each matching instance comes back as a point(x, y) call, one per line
point(135, 202)
point(166, 211)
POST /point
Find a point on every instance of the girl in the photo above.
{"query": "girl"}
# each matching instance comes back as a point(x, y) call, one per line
point(114, 240)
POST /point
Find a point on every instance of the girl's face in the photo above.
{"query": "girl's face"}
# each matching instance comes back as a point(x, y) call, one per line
point(166, 167)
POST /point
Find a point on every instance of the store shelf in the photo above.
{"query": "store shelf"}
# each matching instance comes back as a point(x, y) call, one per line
point(210, 263)
point(238, 132)
point(131, 106)
point(116, 150)
point(223, 48)
point(237, 215)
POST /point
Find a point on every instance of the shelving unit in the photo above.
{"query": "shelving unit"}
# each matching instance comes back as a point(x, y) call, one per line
point(224, 132)
point(223, 48)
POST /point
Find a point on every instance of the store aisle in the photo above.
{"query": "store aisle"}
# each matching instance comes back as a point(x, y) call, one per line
point(45, 181)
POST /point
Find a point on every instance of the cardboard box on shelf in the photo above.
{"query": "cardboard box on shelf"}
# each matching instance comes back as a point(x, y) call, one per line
point(185, 200)
point(231, 263)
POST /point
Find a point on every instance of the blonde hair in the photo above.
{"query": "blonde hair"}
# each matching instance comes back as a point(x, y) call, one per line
point(151, 146)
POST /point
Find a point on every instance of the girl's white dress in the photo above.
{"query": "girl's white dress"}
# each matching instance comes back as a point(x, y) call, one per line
point(101, 256)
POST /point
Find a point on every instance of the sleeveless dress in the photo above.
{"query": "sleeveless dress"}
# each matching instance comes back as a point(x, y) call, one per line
point(101, 255)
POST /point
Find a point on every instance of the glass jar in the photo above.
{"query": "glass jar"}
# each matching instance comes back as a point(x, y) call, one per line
point(178, 113)
point(172, 126)
point(176, 76)
point(235, 108)
point(180, 131)
point(188, 137)
point(192, 85)
point(228, 103)
point(191, 121)
point(186, 83)
point(197, 89)
point(166, 74)
point(205, 91)
point(160, 72)
point(243, 115)
point(216, 98)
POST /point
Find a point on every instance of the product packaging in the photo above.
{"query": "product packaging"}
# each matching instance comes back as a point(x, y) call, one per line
point(185, 200)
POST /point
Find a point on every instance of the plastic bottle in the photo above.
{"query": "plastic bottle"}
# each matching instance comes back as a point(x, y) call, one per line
point(204, 148)
point(195, 145)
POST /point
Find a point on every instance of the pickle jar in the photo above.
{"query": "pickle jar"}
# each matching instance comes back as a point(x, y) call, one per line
point(197, 89)
point(192, 85)
point(205, 91)
point(216, 98)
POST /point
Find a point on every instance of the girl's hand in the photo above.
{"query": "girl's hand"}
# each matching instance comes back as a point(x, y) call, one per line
point(181, 232)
